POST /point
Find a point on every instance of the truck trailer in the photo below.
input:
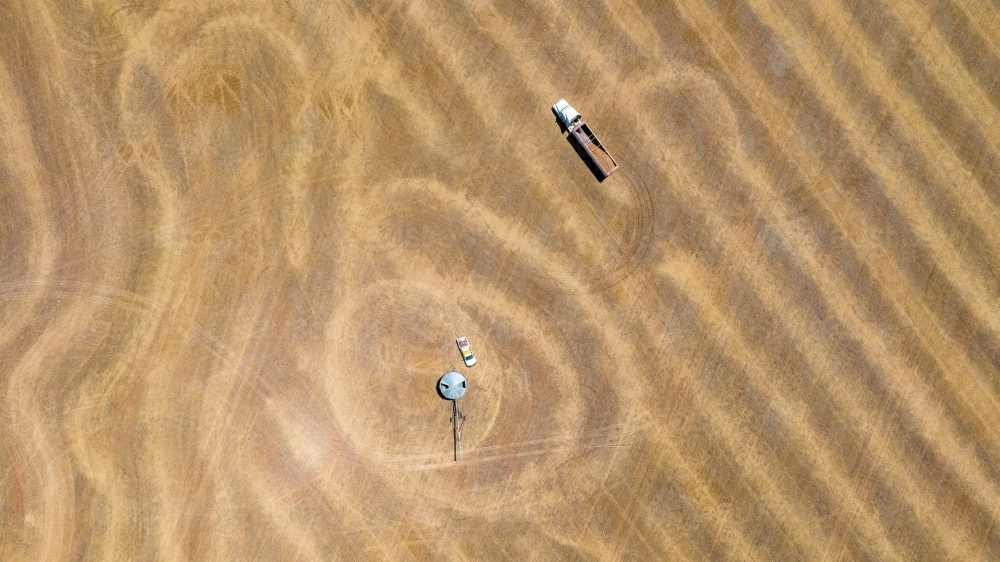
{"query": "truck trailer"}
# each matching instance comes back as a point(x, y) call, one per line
point(585, 138)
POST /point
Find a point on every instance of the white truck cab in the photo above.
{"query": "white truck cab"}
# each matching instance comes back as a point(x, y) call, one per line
point(585, 139)
point(565, 112)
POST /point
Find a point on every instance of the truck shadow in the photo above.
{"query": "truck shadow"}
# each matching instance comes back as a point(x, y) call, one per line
point(580, 151)
point(562, 128)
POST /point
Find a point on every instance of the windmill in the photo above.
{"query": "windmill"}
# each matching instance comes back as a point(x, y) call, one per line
point(452, 386)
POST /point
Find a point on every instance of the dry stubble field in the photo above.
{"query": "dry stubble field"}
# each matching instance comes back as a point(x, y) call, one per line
point(238, 240)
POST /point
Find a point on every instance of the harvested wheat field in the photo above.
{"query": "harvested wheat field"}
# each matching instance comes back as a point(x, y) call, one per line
point(238, 241)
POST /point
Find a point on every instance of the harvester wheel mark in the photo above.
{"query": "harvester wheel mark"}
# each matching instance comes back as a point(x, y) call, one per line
point(633, 244)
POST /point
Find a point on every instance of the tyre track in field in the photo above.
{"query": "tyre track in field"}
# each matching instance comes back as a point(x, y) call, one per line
point(637, 232)
point(776, 452)
point(623, 434)
point(632, 243)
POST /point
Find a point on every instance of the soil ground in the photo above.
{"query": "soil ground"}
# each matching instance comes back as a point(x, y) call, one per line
point(238, 241)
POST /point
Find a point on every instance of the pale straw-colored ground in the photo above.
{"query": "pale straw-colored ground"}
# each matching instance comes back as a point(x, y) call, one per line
point(237, 241)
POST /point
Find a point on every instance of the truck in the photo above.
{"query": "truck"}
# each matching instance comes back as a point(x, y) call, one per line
point(584, 137)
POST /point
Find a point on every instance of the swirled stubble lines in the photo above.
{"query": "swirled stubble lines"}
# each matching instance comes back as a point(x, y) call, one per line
point(26, 388)
point(695, 291)
point(24, 169)
point(637, 231)
point(530, 260)
point(632, 243)
point(48, 493)
point(889, 277)
point(914, 204)
point(110, 296)
point(739, 246)
point(950, 360)
point(528, 160)
point(623, 434)
point(501, 312)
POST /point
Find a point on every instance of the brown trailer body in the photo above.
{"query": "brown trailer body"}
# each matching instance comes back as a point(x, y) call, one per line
point(594, 148)
point(585, 139)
